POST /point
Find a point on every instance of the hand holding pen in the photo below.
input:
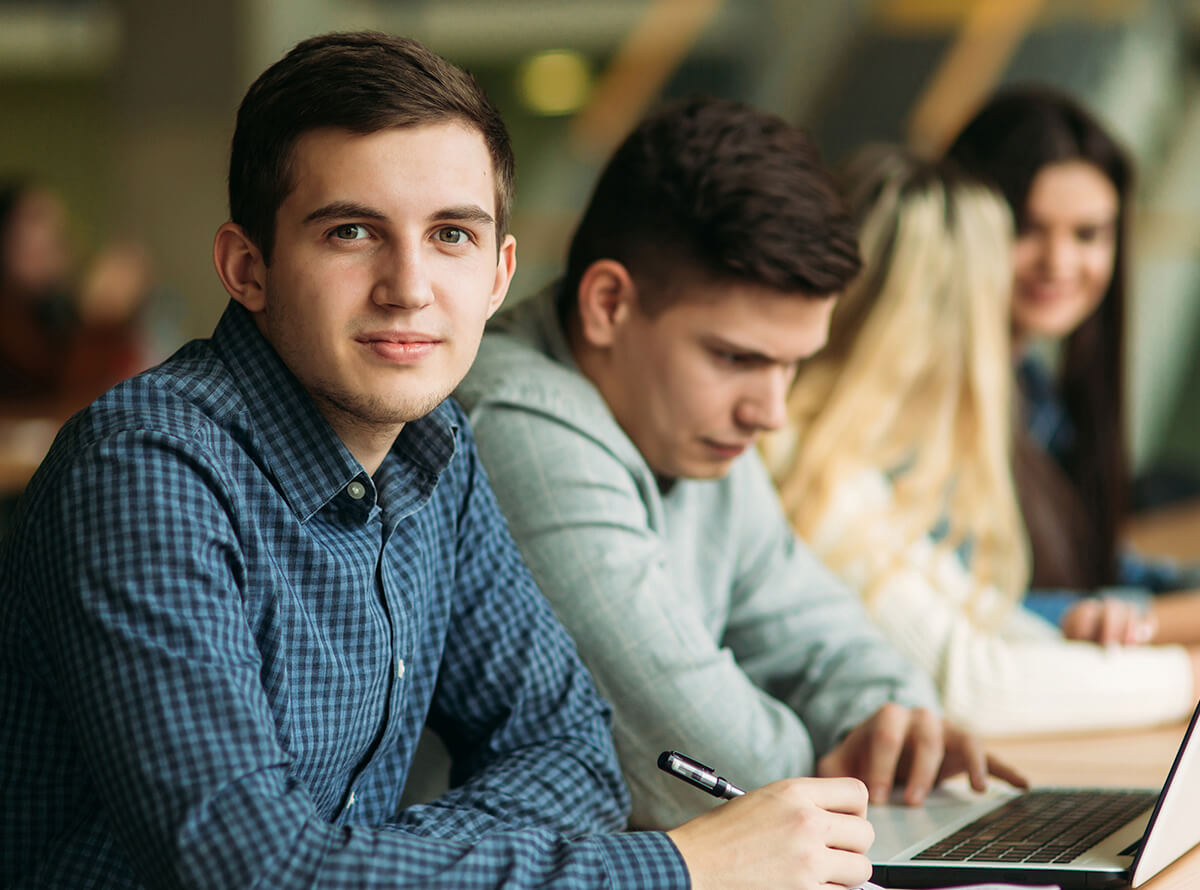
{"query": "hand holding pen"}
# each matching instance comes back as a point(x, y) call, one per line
point(796, 833)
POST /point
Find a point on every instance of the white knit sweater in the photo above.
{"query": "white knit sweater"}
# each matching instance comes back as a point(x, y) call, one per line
point(1022, 677)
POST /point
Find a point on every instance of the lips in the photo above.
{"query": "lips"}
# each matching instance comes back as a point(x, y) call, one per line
point(399, 346)
point(727, 450)
point(1043, 294)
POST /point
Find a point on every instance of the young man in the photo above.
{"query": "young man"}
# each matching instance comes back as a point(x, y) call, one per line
point(617, 414)
point(242, 581)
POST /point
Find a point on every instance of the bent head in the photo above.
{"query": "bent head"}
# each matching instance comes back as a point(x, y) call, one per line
point(704, 268)
point(916, 376)
point(370, 184)
point(1067, 182)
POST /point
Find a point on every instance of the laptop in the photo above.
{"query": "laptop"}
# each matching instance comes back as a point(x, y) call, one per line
point(1096, 837)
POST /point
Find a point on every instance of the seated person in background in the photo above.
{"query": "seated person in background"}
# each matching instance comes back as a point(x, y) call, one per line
point(1068, 185)
point(62, 341)
point(241, 582)
point(895, 467)
point(616, 413)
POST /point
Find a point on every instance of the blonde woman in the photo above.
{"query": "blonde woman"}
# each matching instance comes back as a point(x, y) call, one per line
point(895, 466)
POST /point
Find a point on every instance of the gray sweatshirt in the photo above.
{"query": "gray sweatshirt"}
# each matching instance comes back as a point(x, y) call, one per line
point(709, 626)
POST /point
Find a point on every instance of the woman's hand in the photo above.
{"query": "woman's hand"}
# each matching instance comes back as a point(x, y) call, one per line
point(1108, 621)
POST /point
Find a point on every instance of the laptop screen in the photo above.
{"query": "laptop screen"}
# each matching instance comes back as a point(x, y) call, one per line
point(1172, 830)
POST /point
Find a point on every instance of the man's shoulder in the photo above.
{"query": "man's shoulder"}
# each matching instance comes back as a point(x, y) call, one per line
point(514, 373)
point(190, 392)
point(530, 410)
point(190, 400)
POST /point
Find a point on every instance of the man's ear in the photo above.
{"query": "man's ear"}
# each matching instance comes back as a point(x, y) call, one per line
point(506, 265)
point(240, 266)
point(607, 298)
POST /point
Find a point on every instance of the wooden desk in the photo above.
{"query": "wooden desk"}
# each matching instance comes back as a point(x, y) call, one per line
point(1172, 531)
point(1139, 759)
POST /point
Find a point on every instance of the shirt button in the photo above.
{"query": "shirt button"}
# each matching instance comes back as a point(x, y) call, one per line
point(399, 668)
point(350, 802)
point(356, 490)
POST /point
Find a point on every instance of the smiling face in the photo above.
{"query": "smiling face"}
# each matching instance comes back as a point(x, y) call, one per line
point(1063, 260)
point(384, 270)
point(695, 385)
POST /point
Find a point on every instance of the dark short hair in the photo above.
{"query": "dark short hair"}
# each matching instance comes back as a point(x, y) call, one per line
point(1018, 132)
point(712, 189)
point(363, 82)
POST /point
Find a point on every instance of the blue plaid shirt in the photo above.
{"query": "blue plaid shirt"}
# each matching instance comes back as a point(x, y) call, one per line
point(221, 638)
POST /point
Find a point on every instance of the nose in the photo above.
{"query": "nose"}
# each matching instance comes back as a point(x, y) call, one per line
point(402, 279)
point(1059, 257)
point(763, 406)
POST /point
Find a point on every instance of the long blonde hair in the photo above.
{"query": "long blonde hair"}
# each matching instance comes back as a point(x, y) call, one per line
point(916, 379)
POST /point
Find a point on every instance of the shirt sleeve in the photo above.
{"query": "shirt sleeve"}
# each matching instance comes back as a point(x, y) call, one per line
point(1019, 676)
point(584, 528)
point(158, 676)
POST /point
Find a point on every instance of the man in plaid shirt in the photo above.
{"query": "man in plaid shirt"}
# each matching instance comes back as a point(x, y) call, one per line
point(242, 581)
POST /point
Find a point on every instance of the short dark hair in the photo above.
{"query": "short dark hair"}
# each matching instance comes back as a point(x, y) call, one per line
point(1018, 132)
point(362, 82)
point(714, 188)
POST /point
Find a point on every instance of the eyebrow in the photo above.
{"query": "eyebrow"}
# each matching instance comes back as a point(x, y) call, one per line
point(1098, 220)
point(754, 355)
point(724, 345)
point(342, 210)
point(352, 209)
point(466, 213)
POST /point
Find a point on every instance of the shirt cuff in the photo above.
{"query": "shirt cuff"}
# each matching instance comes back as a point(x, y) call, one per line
point(642, 860)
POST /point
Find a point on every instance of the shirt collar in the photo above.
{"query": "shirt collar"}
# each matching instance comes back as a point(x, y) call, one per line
point(310, 464)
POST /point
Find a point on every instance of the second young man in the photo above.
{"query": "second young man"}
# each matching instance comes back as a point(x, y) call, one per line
point(617, 414)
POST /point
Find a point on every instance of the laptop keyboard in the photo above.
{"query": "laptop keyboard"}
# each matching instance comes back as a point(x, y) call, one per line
point(1042, 826)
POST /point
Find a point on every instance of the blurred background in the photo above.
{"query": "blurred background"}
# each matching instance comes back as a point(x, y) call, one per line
point(124, 108)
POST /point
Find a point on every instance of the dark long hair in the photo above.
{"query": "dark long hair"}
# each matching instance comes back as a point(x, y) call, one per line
point(1009, 141)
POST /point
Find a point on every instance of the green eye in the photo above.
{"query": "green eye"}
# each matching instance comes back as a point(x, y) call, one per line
point(350, 232)
point(452, 235)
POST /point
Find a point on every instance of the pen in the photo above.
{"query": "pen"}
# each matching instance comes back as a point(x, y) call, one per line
point(696, 773)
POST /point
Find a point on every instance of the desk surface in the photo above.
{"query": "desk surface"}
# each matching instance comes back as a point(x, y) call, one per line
point(1172, 531)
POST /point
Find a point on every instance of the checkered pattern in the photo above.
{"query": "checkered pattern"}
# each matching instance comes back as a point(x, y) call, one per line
point(217, 660)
